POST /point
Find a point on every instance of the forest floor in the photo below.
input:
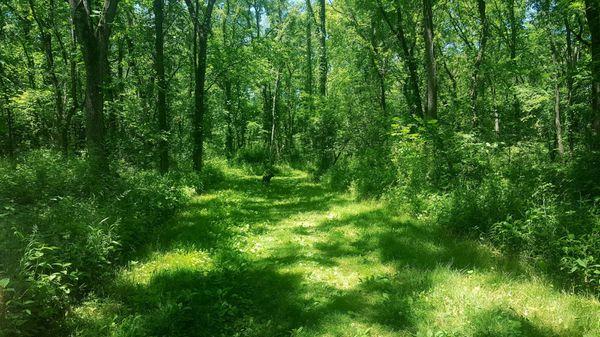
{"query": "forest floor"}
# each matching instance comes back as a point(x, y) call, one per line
point(295, 259)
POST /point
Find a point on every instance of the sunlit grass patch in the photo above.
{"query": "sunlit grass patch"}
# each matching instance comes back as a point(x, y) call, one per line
point(95, 317)
point(477, 304)
point(344, 325)
point(142, 272)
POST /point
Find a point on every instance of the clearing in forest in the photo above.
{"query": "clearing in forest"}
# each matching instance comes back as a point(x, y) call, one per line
point(295, 259)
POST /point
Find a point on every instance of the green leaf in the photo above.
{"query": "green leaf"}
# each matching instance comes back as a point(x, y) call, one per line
point(4, 282)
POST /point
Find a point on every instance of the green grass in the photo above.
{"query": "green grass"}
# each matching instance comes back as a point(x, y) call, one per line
point(294, 259)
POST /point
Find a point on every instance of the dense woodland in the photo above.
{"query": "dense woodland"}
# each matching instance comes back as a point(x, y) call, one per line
point(480, 118)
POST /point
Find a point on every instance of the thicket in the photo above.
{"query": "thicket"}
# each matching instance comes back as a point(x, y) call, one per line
point(64, 233)
point(513, 196)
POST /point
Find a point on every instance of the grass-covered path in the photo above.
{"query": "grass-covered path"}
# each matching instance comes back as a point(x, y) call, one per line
point(294, 259)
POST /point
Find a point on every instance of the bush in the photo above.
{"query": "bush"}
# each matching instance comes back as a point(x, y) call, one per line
point(512, 196)
point(255, 155)
point(64, 239)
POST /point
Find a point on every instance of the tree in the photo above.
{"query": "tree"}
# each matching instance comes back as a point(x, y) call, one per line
point(309, 55)
point(592, 11)
point(201, 20)
point(161, 100)
point(323, 63)
point(478, 85)
point(431, 70)
point(93, 32)
point(408, 55)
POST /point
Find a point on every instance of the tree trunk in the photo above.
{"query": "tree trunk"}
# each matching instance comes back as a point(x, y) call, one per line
point(513, 54)
point(272, 144)
point(477, 84)
point(199, 107)
point(201, 35)
point(229, 135)
point(94, 41)
point(560, 149)
point(309, 56)
point(409, 60)
point(161, 99)
point(28, 57)
point(74, 91)
point(431, 109)
point(10, 138)
point(46, 43)
point(323, 66)
point(593, 17)
point(558, 138)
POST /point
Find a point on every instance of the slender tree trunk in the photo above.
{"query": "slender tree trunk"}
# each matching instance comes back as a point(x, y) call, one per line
point(227, 89)
point(28, 57)
point(514, 26)
point(266, 117)
point(10, 138)
point(199, 104)
point(496, 113)
point(431, 69)
point(229, 136)
point(44, 26)
point(201, 34)
point(409, 59)
point(241, 120)
point(309, 56)
point(323, 64)
point(593, 17)
point(476, 83)
point(257, 18)
point(560, 149)
point(161, 99)
point(74, 91)
point(570, 84)
point(558, 137)
point(272, 144)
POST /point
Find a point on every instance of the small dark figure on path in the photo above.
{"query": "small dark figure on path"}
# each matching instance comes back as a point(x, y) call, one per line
point(267, 177)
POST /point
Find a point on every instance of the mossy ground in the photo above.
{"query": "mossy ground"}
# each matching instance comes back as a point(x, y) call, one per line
point(295, 259)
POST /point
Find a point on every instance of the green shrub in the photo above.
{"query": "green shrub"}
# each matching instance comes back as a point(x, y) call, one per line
point(255, 155)
point(65, 232)
point(513, 196)
point(40, 175)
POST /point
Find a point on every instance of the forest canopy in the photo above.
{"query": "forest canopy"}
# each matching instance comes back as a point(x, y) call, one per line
point(482, 117)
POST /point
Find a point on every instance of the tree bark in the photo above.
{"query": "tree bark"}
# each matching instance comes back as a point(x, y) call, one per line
point(201, 34)
point(161, 97)
point(592, 11)
point(477, 84)
point(323, 63)
point(431, 69)
point(272, 145)
point(560, 149)
point(229, 135)
point(93, 37)
point(514, 26)
point(309, 56)
point(409, 60)
point(44, 26)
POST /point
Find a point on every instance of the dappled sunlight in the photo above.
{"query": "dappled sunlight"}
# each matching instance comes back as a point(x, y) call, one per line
point(293, 259)
point(143, 272)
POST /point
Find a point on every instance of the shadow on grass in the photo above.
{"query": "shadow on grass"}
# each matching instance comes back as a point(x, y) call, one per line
point(241, 296)
point(407, 243)
point(225, 302)
point(500, 322)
